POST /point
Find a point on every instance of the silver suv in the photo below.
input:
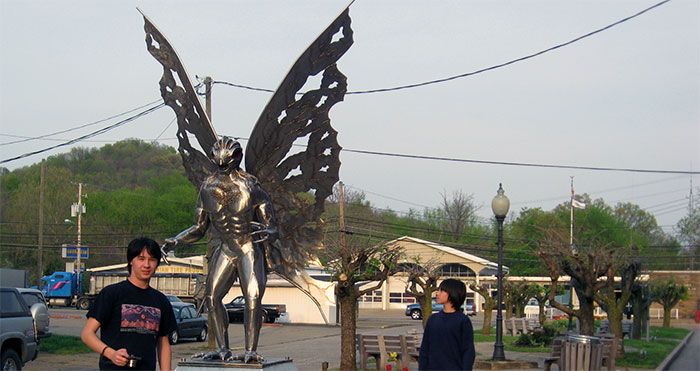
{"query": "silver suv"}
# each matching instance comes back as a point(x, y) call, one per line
point(19, 327)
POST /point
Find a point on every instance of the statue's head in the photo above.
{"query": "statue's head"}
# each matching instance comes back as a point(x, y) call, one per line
point(227, 152)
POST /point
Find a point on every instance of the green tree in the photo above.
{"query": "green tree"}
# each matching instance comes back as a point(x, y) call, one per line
point(600, 240)
point(688, 231)
point(668, 293)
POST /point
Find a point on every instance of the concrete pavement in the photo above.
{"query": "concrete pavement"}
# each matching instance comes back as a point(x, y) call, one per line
point(689, 357)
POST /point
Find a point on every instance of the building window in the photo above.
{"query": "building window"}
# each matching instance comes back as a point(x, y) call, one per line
point(372, 297)
point(456, 270)
point(401, 297)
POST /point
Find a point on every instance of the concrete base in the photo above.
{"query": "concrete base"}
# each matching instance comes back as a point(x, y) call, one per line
point(273, 364)
point(487, 364)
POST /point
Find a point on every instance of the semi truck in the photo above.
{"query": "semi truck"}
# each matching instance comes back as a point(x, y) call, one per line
point(62, 289)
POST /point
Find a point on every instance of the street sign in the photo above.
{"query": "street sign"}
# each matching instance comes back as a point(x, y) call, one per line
point(71, 252)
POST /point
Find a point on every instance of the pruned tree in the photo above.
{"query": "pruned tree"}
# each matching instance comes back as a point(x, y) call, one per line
point(460, 211)
point(517, 294)
point(490, 303)
point(353, 264)
point(422, 282)
point(584, 268)
point(627, 267)
point(668, 293)
point(541, 294)
point(641, 300)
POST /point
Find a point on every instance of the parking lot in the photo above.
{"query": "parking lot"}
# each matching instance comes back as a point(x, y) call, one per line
point(307, 345)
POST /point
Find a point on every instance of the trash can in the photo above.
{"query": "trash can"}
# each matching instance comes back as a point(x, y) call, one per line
point(582, 352)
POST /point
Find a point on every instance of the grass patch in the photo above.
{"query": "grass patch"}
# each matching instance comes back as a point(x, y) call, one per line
point(62, 344)
point(643, 354)
point(669, 332)
point(508, 342)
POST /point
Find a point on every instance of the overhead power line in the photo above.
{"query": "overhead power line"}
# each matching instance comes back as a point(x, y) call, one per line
point(26, 139)
point(86, 136)
point(593, 168)
point(513, 61)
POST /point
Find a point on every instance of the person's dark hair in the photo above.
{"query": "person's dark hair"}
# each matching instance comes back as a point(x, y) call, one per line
point(456, 291)
point(139, 244)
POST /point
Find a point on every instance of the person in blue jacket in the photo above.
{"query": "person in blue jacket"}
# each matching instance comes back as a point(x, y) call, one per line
point(448, 339)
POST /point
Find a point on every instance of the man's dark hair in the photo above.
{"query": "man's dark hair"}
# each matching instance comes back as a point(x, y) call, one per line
point(456, 291)
point(139, 244)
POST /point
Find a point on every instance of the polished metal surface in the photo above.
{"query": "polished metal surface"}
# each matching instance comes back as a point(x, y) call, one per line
point(247, 235)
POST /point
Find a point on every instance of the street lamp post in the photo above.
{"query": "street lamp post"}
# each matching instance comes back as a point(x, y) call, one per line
point(500, 206)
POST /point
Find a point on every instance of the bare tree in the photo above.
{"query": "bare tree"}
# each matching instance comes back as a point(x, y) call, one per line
point(422, 282)
point(459, 210)
point(353, 264)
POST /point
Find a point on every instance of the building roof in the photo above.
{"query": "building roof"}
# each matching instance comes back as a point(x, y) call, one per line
point(487, 264)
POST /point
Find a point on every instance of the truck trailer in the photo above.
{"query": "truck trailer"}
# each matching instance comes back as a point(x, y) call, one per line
point(61, 288)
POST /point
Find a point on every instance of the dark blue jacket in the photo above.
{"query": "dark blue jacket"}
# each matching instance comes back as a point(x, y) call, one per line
point(448, 343)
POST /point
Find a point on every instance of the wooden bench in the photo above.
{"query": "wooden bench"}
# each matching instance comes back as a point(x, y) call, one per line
point(626, 328)
point(380, 346)
point(516, 326)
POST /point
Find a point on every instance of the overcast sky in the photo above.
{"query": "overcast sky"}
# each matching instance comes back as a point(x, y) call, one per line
point(627, 97)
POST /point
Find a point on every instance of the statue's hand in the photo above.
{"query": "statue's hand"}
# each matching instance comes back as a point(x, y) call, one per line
point(166, 248)
point(263, 233)
point(169, 245)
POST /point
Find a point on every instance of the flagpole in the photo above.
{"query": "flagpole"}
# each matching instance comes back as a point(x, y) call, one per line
point(570, 327)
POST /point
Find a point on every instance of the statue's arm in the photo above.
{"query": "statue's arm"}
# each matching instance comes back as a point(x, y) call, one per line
point(265, 220)
point(193, 233)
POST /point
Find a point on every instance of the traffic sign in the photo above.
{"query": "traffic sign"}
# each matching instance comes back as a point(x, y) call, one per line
point(71, 252)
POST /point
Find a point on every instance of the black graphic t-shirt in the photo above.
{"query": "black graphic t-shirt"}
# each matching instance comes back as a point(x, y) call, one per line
point(133, 318)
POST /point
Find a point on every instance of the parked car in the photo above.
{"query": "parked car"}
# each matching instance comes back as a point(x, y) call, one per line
point(34, 296)
point(19, 338)
point(270, 311)
point(415, 311)
point(189, 324)
point(173, 298)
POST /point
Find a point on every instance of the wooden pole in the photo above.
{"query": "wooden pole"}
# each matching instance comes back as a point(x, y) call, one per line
point(40, 257)
point(211, 341)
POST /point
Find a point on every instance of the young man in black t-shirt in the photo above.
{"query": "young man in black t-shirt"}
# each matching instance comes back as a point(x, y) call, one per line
point(134, 319)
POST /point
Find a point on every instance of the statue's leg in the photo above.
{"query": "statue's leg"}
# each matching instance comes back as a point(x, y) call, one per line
point(253, 277)
point(221, 276)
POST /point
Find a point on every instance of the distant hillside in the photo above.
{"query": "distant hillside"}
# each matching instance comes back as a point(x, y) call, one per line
point(130, 188)
point(125, 164)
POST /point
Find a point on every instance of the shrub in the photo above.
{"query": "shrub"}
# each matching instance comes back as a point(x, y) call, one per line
point(541, 337)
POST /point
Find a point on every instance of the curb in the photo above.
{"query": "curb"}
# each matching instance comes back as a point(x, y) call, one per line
point(674, 354)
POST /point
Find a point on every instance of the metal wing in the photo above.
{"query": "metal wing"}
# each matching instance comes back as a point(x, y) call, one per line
point(288, 175)
point(179, 94)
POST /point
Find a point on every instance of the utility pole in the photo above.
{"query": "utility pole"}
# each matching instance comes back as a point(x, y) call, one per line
point(211, 343)
point(570, 326)
point(39, 260)
point(77, 210)
point(341, 215)
point(207, 96)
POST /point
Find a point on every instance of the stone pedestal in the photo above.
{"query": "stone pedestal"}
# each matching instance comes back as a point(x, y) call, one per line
point(273, 364)
point(488, 364)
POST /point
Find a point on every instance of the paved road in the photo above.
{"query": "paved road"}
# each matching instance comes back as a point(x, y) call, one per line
point(308, 345)
point(689, 357)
